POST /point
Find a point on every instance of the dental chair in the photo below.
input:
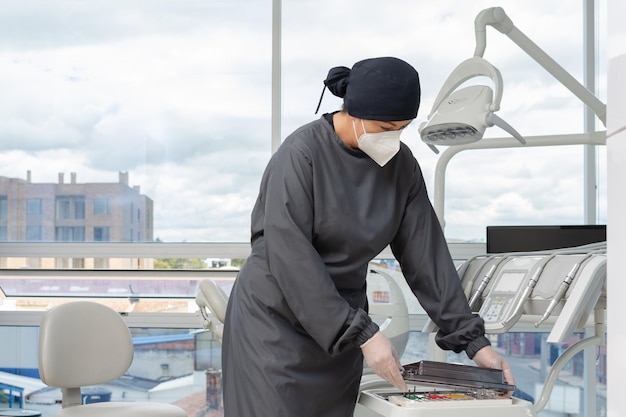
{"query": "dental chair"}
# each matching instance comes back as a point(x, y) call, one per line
point(212, 303)
point(83, 343)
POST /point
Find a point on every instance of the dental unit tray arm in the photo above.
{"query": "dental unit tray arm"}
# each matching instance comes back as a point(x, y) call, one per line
point(497, 18)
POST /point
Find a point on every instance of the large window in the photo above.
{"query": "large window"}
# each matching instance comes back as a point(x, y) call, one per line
point(174, 95)
point(165, 108)
point(517, 186)
point(177, 95)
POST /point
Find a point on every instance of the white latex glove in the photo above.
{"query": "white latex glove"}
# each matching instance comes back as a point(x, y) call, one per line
point(487, 357)
point(382, 358)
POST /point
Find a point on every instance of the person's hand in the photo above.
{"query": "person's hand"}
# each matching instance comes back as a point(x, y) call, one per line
point(487, 357)
point(382, 358)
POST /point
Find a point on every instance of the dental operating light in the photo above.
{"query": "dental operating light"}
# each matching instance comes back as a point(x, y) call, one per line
point(460, 115)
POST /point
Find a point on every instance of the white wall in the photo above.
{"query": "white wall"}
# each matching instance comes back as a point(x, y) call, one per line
point(616, 211)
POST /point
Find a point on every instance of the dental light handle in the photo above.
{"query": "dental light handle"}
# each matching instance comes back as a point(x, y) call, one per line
point(493, 119)
point(481, 287)
point(470, 68)
point(560, 292)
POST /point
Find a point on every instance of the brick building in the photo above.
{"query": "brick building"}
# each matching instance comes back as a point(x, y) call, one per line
point(73, 212)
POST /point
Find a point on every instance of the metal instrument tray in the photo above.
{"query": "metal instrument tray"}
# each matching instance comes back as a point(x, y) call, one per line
point(454, 375)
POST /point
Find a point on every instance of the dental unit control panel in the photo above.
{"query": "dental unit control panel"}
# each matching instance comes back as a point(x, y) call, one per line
point(562, 288)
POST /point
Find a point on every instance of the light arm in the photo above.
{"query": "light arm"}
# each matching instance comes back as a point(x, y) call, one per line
point(497, 18)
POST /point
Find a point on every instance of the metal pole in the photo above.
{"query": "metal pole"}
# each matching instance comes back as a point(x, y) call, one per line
point(596, 138)
point(589, 69)
point(276, 73)
point(590, 184)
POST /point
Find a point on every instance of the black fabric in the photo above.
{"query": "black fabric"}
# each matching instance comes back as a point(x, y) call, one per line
point(385, 89)
point(329, 118)
point(298, 309)
point(337, 81)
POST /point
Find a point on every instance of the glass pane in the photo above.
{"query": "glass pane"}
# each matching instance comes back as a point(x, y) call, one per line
point(123, 288)
point(33, 206)
point(101, 206)
point(33, 233)
point(521, 185)
point(163, 108)
point(3, 207)
point(101, 234)
point(169, 366)
point(179, 366)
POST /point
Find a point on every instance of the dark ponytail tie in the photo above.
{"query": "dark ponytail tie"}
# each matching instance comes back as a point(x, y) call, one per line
point(336, 82)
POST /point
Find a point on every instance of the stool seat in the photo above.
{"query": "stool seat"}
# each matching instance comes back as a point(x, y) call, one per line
point(123, 409)
point(10, 412)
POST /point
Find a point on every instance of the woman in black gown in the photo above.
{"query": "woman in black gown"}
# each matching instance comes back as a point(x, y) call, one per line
point(336, 193)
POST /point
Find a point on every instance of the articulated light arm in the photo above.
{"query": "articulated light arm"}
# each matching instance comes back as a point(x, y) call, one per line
point(497, 18)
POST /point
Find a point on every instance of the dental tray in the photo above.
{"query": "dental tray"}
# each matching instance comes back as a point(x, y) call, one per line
point(453, 375)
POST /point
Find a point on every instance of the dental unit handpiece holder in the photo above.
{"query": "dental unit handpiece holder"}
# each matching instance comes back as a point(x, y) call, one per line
point(561, 291)
point(498, 19)
point(485, 282)
point(482, 286)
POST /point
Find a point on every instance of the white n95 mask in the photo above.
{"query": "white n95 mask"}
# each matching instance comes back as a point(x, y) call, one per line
point(381, 146)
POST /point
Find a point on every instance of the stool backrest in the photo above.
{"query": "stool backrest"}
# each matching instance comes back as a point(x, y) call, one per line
point(83, 343)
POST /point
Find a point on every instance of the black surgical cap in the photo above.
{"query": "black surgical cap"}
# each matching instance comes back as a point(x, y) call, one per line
point(385, 89)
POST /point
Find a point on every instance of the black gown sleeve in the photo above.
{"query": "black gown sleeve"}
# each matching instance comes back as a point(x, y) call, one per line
point(293, 261)
point(421, 249)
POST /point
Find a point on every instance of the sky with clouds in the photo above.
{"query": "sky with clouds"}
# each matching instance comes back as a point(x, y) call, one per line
point(178, 94)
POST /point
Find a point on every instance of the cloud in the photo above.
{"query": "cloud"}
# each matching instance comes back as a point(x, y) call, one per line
point(517, 187)
point(57, 24)
point(208, 199)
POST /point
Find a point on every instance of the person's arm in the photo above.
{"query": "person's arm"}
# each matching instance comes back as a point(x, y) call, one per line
point(422, 251)
point(294, 263)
